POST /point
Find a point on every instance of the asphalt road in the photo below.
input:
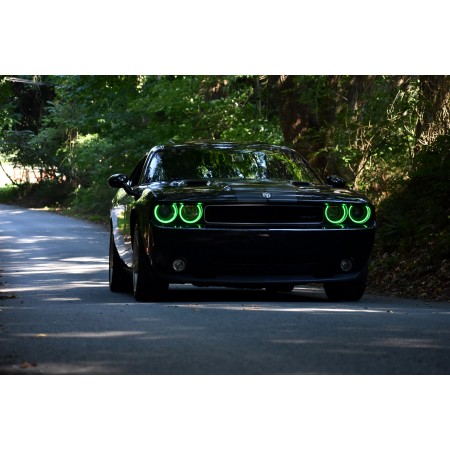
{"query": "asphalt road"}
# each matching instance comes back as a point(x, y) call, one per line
point(57, 316)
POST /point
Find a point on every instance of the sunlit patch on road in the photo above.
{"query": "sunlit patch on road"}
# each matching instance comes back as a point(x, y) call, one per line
point(86, 334)
point(272, 308)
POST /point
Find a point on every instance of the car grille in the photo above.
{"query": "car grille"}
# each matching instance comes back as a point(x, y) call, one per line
point(279, 215)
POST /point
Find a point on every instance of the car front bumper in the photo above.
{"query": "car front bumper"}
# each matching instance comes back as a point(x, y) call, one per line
point(258, 257)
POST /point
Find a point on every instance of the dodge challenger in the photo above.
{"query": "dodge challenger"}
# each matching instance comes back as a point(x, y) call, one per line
point(236, 215)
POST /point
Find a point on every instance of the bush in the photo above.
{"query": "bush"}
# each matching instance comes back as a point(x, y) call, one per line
point(94, 201)
point(8, 194)
point(421, 206)
point(412, 251)
point(47, 193)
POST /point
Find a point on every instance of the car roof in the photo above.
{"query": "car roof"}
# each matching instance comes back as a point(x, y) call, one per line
point(222, 145)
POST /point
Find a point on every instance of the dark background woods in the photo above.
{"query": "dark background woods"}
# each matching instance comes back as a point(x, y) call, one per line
point(388, 136)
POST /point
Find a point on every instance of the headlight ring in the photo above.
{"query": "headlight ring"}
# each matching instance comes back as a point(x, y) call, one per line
point(336, 213)
point(359, 214)
point(166, 213)
point(191, 213)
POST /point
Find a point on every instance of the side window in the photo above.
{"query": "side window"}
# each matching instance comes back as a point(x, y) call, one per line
point(152, 169)
point(136, 174)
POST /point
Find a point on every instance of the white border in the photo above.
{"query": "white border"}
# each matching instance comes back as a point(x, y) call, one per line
point(199, 37)
point(239, 412)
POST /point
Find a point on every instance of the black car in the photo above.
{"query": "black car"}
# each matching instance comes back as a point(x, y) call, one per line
point(228, 214)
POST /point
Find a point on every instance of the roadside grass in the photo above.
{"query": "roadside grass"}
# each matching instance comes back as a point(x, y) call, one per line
point(101, 219)
point(56, 198)
point(37, 195)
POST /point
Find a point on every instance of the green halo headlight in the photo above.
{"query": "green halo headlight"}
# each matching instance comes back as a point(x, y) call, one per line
point(191, 213)
point(165, 213)
point(336, 213)
point(359, 213)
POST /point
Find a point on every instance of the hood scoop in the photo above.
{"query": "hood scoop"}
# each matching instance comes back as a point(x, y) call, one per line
point(190, 183)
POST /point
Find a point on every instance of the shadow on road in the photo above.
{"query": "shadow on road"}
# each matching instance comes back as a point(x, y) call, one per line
point(189, 294)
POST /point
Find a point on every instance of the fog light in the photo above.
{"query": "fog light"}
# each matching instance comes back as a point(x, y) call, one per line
point(346, 265)
point(179, 265)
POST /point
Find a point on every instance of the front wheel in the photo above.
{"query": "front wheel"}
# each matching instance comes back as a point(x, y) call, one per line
point(146, 286)
point(350, 291)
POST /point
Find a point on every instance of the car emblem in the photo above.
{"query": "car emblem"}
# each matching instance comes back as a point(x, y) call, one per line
point(266, 194)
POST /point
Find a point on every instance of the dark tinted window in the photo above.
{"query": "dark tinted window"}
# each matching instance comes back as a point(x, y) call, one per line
point(228, 163)
point(136, 174)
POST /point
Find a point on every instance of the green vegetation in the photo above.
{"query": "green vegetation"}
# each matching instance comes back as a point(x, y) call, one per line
point(9, 194)
point(389, 136)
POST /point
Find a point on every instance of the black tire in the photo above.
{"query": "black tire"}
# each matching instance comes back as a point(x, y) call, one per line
point(350, 291)
point(119, 276)
point(146, 286)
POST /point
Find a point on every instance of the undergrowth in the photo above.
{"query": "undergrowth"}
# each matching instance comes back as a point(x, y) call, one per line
point(412, 251)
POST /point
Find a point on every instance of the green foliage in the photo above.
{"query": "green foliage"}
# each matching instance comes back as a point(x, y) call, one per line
point(363, 127)
point(7, 109)
point(94, 200)
point(191, 108)
point(24, 148)
point(425, 194)
point(374, 131)
point(414, 228)
point(9, 194)
point(97, 125)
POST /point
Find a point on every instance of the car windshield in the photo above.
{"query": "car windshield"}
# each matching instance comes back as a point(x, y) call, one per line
point(228, 163)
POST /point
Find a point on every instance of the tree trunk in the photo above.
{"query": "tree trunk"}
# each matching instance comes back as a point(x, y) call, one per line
point(434, 109)
point(293, 113)
point(10, 179)
point(307, 109)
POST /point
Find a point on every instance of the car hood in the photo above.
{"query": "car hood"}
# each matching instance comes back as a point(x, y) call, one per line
point(250, 191)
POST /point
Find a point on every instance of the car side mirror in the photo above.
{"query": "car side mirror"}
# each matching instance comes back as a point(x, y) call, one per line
point(335, 181)
point(120, 180)
point(117, 181)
